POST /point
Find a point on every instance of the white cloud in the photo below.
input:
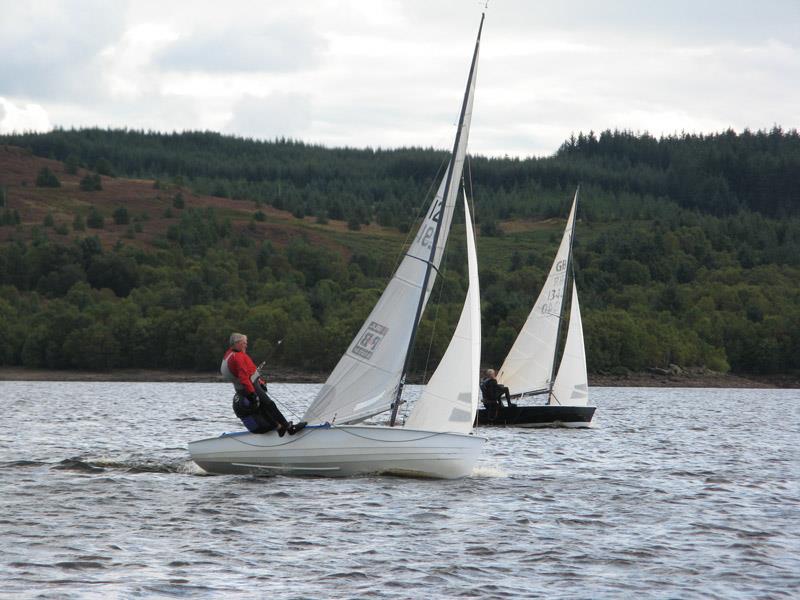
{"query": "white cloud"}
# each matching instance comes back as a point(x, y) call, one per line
point(18, 119)
point(390, 72)
point(127, 70)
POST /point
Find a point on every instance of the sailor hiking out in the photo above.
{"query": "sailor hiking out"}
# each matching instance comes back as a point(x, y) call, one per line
point(251, 403)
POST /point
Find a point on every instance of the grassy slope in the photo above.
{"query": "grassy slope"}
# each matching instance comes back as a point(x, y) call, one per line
point(18, 171)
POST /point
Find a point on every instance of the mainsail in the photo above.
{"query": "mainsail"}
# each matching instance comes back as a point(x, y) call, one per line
point(450, 399)
point(529, 366)
point(365, 380)
point(571, 387)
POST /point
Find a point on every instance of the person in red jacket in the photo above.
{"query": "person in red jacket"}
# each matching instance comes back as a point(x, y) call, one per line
point(251, 403)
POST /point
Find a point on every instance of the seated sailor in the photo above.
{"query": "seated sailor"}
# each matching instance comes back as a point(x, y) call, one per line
point(251, 403)
point(492, 394)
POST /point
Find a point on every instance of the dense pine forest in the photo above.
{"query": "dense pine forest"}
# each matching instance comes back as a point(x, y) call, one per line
point(687, 248)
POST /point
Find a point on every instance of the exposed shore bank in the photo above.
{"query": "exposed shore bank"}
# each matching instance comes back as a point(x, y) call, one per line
point(685, 379)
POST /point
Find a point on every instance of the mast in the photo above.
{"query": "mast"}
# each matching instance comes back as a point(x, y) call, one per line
point(429, 265)
point(563, 298)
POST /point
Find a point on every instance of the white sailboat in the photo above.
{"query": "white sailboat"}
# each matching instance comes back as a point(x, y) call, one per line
point(529, 369)
point(437, 438)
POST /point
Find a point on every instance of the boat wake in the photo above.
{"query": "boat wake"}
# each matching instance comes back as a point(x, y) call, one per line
point(130, 465)
point(489, 472)
point(76, 464)
point(13, 464)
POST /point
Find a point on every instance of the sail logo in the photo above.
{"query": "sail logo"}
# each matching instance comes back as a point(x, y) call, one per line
point(367, 344)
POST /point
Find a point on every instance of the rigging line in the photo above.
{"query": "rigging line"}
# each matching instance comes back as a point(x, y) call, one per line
point(448, 181)
point(440, 282)
point(284, 406)
point(272, 397)
point(561, 319)
point(439, 299)
point(471, 196)
point(425, 436)
point(416, 220)
point(438, 304)
point(344, 429)
point(572, 257)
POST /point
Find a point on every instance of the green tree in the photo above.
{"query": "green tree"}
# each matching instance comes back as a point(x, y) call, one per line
point(46, 178)
point(93, 347)
point(91, 183)
point(103, 167)
point(71, 164)
point(94, 219)
point(118, 273)
point(120, 215)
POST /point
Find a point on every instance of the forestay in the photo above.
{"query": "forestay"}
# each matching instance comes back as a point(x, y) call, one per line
point(571, 387)
point(529, 364)
point(365, 380)
point(450, 399)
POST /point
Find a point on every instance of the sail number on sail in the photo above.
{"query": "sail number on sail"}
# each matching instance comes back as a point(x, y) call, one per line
point(367, 343)
point(426, 233)
point(552, 304)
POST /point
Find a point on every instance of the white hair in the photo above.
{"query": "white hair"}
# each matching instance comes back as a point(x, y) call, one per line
point(236, 338)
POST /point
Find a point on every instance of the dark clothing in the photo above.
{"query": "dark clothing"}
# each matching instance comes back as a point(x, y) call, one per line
point(258, 412)
point(250, 415)
point(493, 392)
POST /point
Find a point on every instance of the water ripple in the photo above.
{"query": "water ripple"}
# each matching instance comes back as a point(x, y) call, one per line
point(674, 494)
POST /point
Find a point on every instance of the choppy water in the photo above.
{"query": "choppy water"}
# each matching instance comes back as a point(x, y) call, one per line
point(674, 494)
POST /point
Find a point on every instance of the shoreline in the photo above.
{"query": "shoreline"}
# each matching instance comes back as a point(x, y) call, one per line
point(279, 375)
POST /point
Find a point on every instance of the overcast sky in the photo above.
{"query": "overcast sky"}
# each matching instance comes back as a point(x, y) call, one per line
point(390, 73)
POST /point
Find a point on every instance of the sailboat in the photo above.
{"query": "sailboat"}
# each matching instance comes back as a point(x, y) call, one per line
point(437, 438)
point(529, 369)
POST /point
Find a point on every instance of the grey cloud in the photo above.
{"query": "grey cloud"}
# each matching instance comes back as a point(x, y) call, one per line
point(51, 50)
point(272, 116)
point(277, 47)
point(709, 20)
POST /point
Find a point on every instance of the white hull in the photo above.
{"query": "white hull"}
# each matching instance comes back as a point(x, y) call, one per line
point(341, 451)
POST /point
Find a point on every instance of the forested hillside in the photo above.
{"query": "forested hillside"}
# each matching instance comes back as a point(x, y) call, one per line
point(132, 249)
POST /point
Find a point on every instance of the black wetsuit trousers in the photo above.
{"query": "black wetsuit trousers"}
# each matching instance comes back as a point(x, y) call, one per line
point(269, 409)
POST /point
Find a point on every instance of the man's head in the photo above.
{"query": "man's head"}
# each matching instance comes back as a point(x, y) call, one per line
point(238, 341)
point(490, 373)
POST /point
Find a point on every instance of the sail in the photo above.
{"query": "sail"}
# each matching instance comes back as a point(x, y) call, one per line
point(365, 380)
point(529, 364)
point(450, 400)
point(571, 387)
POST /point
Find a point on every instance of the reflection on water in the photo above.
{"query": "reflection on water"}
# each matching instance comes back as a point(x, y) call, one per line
point(675, 493)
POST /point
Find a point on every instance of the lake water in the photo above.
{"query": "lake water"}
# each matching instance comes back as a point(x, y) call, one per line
point(675, 493)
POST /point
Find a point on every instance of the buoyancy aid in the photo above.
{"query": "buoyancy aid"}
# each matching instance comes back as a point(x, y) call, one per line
point(238, 368)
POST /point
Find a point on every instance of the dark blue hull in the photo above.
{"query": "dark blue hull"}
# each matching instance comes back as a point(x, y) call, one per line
point(538, 416)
